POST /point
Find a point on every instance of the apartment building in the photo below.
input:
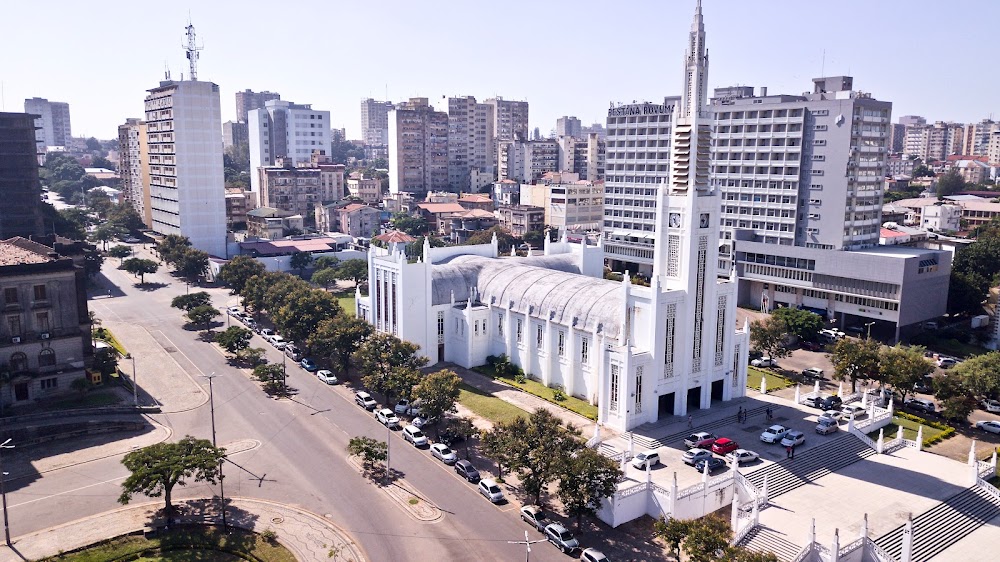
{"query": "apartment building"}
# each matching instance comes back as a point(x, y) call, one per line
point(418, 148)
point(297, 189)
point(584, 156)
point(527, 161)
point(510, 119)
point(522, 219)
point(977, 137)
point(133, 167)
point(248, 100)
point(569, 127)
point(470, 142)
point(375, 122)
point(368, 190)
point(235, 133)
point(52, 122)
point(569, 202)
point(282, 129)
point(186, 184)
point(20, 188)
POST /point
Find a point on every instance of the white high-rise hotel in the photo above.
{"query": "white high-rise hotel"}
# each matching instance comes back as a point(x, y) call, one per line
point(186, 184)
point(638, 353)
point(282, 129)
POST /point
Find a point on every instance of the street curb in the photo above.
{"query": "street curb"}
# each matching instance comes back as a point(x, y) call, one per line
point(401, 502)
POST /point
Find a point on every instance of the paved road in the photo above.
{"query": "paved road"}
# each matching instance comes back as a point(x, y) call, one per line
point(301, 457)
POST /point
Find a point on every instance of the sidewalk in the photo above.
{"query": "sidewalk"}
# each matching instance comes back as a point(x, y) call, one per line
point(307, 535)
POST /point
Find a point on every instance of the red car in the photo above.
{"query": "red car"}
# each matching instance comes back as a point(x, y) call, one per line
point(724, 445)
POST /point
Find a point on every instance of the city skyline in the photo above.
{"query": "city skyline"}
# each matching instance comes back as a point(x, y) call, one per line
point(783, 52)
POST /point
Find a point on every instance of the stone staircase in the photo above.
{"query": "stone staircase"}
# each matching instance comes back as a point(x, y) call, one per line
point(677, 439)
point(943, 525)
point(765, 539)
point(810, 465)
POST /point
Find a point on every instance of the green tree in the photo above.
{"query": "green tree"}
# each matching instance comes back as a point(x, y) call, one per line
point(172, 246)
point(326, 262)
point(121, 252)
point(922, 171)
point(386, 363)
point(438, 393)
point(338, 338)
point(126, 219)
point(303, 311)
point(672, 531)
point(156, 469)
point(234, 339)
point(414, 226)
point(140, 267)
point(534, 238)
point(504, 239)
point(202, 314)
point(255, 290)
point(981, 374)
point(106, 233)
point(967, 291)
point(802, 323)
point(356, 270)
point(855, 359)
point(251, 356)
point(325, 278)
point(192, 263)
point(92, 262)
point(300, 261)
point(272, 375)
point(769, 335)
point(237, 271)
point(542, 450)
point(902, 367)
point(499, 443)
point(371, 452)
point(191, 300)
point(464, 428)
point(102, 162)
point(956, 397)
point(949, 184)
point(284, 285)
point(587, 478)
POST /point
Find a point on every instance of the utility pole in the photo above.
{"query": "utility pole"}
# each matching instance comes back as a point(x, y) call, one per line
point(3, 493)
point(527, 545)
point(222, 486)
point(135, 384)
point(284, 375)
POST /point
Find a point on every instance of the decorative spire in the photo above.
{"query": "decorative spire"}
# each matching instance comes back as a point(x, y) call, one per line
point(695, 68)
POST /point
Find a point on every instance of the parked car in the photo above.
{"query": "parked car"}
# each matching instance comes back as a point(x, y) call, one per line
point(764, 362)
point(650, 458)
point(293, 352)
point(387, 418)
point(831, 415)
point(443, 452)
point(534, 516)
point(813, 373)
point(329, 378)
point(407, 407)
point(921, 405)
point(925, 386)
point(449, 437)
point(793, 439)
point(854, 410)
point(308, 364)
point(714, 463)
point(743, 456)
point(700, 440)
point(992, 406)
point(561, 538)
point(991, 426)
point(266, 333)
point(365, 400)
point(827, 426)
point(593, 555)
point(278, 341)
point(774, 434)
point(421, 421)
point(465, 469)
point(832, 334)
point(489, 489)
point(831, 403)
point(692, 456)
point(724, 445)
point(945, 362)
point(812, 346)
point(233, 311)
point(415, 436)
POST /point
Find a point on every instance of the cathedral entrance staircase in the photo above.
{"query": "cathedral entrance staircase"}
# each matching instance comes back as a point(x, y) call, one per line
point(675, 439)
point(810, 465)
point(765, 539)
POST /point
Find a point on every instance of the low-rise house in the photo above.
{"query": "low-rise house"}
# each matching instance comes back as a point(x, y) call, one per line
point(271, 223)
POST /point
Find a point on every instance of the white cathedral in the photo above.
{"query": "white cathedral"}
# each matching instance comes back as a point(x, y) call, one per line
point(637, 353)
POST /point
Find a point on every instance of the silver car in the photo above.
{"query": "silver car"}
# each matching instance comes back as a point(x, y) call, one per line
point(561, 537)
point(444, 453)
point(490, 490)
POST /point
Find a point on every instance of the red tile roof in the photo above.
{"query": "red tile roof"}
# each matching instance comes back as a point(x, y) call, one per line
point(395, 236)
point(442, 207)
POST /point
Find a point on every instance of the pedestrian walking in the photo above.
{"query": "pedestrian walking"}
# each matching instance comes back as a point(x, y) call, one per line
point(793, 451)
point(739, 415)
point(744, 420)
point(690, 422)
point(788, 452)
point(769, 416)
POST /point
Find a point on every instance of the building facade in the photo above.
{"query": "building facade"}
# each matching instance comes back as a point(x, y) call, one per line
point(569, 202)
point(470, 141)
point(522, 219)
point(291, 131)
point(583, 156)
point(234, 133)
point(186, 184)
point(52, 122)
point(638, 353)
point(45, 335)
point(133, 167)
point(20, 188)
point(369, 190)
point(418, 148)
point(569, 127)
point(527, 161)
point(375, 122)
point(510, 119)
point(248, 100)
point(272, 224)
point(295, 189)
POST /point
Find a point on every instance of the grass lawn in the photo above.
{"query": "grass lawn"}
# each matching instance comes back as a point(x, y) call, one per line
point(948, 346)
point(346, 300)
point(909, 430)
point(105, 334)
point(183, 543)
point(774, 381)
point(571, 403)
point(488, 406)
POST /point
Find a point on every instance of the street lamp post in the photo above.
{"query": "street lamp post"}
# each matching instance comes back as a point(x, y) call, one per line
point(527, 545)
point(3, 493)
point(135, 383)
point(222, 486)
point(284, 373)
point(869, 326)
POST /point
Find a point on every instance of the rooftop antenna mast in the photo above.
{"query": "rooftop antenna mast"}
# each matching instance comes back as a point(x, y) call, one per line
point(192, 50)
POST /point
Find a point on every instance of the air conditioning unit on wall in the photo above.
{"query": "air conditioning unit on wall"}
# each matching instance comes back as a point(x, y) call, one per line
point(44, 335)
point(15, 339)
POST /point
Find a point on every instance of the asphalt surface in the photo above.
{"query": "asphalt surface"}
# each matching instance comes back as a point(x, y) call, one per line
point(301, 460)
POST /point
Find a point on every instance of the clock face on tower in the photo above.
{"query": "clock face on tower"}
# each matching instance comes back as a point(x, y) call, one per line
point(703, 223)
point(675, 220)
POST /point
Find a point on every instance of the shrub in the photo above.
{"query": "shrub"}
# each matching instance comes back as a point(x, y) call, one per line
point(269, 535)
point(558, 395)
point(519, 377)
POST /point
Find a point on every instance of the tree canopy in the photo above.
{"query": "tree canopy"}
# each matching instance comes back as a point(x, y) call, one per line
point(191, 300)
point(802, 323)
point(338, 338)
point(539, 450)
point(949, 184)
point(234, 339)
point(202, 314)
point(856, 359)
point(300, 261)
point(587, 478)
point(769, 335)
point(414, 226)
point(239, 270)
point(389, 365)
point(438, 393)
point(156, 469)
point(140, 267)
point(354, 269)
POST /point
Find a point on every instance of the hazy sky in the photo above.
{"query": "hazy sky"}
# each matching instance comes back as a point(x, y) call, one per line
point(566, 57)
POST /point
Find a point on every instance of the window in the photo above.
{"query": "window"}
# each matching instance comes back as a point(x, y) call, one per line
point(562, 343)
point(518, 330)
point(47, 358)
point(10, 295)
point(40, 293)
point(49, 384)
point(500, 324)
point(477, 327)
point(584, 350)
point(638, 390)
point(14, 325)
point(440, 323)
point(18, 362)
point(42, 321)
point(613, 405)
point(538, 337)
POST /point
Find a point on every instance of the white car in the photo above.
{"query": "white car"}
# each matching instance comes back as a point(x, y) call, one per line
point(593, 555)
point(443, 452)
point(326, 376)
point(793, 439)
point(414, 435)
point(387, 418)
point(407, 407)
point(774, 434)
point(233, 311)
point(764, 362)
point(831, 415)
point(278, 341)
point(365, 400)
point(991, 426)
point(742, 456)
point(646, 458)
point(991, 406)
point(945, 362)
point(490, 490)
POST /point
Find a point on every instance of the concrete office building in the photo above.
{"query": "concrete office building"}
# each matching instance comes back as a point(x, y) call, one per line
point(470, 142)
point(133, 167)
point(52, 122)
point(234, 133)
point(186, 184)
point(527, 161)
point(418, 148)
point(375, 122)
point(282, 129)
point(583, 156)
point(568, 127)
point(20, 188)
point(638, 148)
point(569, 202)
point(248, 100)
